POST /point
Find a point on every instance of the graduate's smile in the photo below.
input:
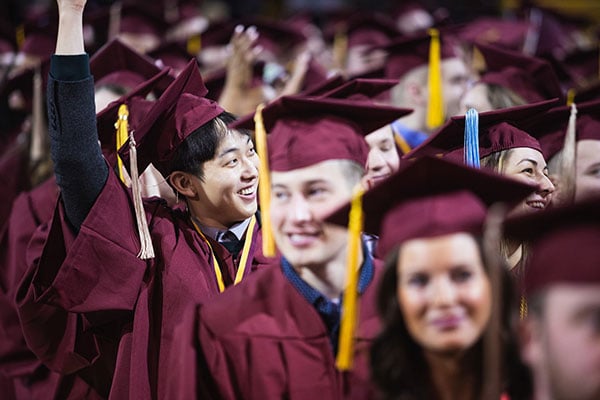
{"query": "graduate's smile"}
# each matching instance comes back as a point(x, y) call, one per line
point(248, 193)
point(303, 239)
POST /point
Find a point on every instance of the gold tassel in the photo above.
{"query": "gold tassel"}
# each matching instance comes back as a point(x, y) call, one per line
point(571, 96)
point(20, 36)
point(194, 45)
point(122, 128)
point(568, 160)
point(340, 48)
point(435, 104)
point(264, 184)
point(146, 247)
point(345, 356)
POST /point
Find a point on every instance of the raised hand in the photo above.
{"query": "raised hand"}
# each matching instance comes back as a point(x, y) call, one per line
point(70, 27)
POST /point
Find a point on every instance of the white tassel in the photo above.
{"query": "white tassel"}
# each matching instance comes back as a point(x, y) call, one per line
point(147, 249)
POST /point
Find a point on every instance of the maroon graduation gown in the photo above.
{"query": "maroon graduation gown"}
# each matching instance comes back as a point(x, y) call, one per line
point(28, 377)
point(263, 340)
point(126, 307)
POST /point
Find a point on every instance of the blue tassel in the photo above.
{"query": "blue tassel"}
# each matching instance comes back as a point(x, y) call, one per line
point(472, 138)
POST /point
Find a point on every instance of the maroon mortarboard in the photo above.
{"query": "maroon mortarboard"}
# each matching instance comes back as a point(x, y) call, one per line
point(361, 89)
point(364, 29)
point(583, 66)
point(587, 93)
point(139, 108)
point(431, 197)
point(497, 130)
point(22, 83)
point(178, 113)
point(215, 81)
point(118, 64)
point(504, 33)
point(550, 127)
point(315, 75)
point(322, 86)
point(407, 53)
point(40, 37)
point(217, 34)
point(138, 19)
point(531, 78)
point(172, 54)
point(274, 36)
point(304, 131)
point(564, 245)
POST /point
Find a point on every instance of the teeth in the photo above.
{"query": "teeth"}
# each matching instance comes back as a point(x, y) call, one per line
point(537, 204)
point(247, 191)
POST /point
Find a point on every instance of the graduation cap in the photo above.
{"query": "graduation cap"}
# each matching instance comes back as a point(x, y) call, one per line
point(40, 37)
point(141, 20)
point(276, 37)
point(322, 86)
point(583, 66)
point(361, 89)
point(408, 53)
point(426, 198)
point(304, 131)
point(364, 29)
point(431, 197)
point(117, 64)
point(505, 33)
point(531, 78)
point(495, 131)
point(550, 127)
point(178, 112)
point(172, 54)
point(556, 237)
point(315, 76)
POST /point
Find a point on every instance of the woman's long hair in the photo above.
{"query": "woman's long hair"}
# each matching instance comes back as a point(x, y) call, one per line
point(398, 365)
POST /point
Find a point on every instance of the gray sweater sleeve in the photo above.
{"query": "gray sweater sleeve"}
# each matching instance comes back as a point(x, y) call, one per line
point(80, 169)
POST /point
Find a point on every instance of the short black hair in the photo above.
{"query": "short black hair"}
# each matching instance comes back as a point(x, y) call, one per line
point(201, 145)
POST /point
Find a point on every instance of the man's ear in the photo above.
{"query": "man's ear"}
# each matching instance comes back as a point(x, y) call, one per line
point(184, 184)
point(417, 93)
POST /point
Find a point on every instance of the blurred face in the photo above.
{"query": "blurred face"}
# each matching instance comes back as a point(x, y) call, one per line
point(564, 343)
point(300, 199)
point(383, 157)
point(588, 169)
point(476, 97)
point(228, 192)
point(443, 292)
point(528, 165)
point(455, 76)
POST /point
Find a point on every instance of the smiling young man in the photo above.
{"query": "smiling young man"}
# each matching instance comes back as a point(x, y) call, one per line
point(280, 338)
point(91, 264)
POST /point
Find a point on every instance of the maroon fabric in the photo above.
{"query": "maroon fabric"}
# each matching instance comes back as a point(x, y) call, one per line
point(24, 372)
point(117, 64)
point(531, 78)
point(361, 88)
point(498, 130)
point(332, 129)
point(125, 308)
point(409, 52)
point(508, 34)
point(368, 29)
point(551, 126)
point(431, 197)
point(272, 345)
point(318, 86)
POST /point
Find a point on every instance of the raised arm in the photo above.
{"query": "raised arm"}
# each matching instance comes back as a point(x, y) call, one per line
point(80, 169)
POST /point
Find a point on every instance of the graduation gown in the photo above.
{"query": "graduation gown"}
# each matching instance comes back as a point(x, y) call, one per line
point(126, 307)
point(27, 375)
point(263, 340)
